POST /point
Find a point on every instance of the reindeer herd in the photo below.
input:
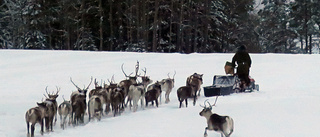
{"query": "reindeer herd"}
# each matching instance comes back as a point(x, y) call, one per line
point(113, 97)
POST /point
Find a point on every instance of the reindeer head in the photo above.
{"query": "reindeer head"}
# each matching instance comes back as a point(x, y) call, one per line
point(197, 76)
point(112, 84)
point(52, 96)
point(206, 111)
point(84, 90)
point(157, 85)
point(169, 80)
point(145, 79)
point(96, 84)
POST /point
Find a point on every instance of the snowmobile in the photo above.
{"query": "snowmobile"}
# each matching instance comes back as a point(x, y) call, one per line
point(228, 84)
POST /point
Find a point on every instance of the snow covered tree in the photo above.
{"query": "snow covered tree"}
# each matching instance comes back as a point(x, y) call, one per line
point(5, 27)
point(275, 34)
point(34, 18)
point(305, 21)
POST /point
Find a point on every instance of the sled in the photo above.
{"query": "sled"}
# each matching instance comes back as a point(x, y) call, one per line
point(228, 84)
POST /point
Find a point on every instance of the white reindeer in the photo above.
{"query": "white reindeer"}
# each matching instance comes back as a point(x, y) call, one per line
point(137, 92)
point(95, 107)
point(222, 124)
point(167, 85)
point(65, 110)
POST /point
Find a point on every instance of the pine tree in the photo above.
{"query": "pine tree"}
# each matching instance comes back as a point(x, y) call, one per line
point(275, 34)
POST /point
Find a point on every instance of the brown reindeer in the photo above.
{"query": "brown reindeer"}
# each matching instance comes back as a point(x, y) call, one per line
point(116, 97)
point(196, 80)
point(78, 103)
point(153, 93)
point(96, 90)
point(52, 97)
point(36, 115)
point(186, 92)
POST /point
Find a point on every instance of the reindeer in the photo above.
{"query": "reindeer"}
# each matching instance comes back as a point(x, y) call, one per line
point(96, 90)
point(145, 79)
point(36, 115)
point(78, 103)
point(137, 91)
point(95, 107)
point(125, 84)
point(167, 86)
point(116, 97)
point(103, 93)
point(65, 110)
point(222, 124)
point(79, 107)
point(196, 80)
point(186, 92)
point(53, 98)
point(52, 106)
point(153, 93)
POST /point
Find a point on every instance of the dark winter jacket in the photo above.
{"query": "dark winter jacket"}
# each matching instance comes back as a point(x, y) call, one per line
point(243, 61)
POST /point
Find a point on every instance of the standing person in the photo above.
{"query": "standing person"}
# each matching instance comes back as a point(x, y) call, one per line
point(243, 61)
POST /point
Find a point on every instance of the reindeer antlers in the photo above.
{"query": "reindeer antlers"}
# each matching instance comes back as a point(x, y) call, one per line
point(145, 71)
point(137, 70)
point(210, 106)
point(74, 84)
point(173, 74)
point(80, 88)
point(52, 94)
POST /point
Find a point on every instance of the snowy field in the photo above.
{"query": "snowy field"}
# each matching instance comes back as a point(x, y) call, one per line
point(287, 104)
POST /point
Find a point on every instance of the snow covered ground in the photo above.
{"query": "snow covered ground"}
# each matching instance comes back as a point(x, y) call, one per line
point(287, 104)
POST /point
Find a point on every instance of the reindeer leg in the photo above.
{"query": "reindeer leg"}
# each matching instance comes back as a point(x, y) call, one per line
point(70, 119)
point(27, 127)
point(55, 118)
point(167, 98)
point(41, 123)
point(156, 102)
point(61, 122)
point(47, 124)
point(186, 100)
point(32, 130)
point(51, 123)
point(205, 132)
point(160, 98)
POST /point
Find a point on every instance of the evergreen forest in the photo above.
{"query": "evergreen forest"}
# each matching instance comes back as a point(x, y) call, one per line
point(183, 26)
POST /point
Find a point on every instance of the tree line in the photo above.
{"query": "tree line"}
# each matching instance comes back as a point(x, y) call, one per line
point(183, 26)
